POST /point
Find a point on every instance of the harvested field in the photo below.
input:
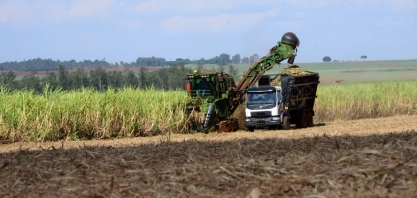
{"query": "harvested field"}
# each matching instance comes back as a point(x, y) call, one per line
point(361, 158)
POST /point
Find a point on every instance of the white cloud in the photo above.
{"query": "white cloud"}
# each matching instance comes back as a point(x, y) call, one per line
point(133, 24)
point(193, 6)
point(90, 8)
point(390, 23)
point(294, 4)
point(214, 24)
point(55, 11)
point(217, 13)
point(394, 5)
point(403, 5)
point(12, 11)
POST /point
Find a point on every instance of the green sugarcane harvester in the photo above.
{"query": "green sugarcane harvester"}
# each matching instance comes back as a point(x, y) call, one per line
point(218, 95)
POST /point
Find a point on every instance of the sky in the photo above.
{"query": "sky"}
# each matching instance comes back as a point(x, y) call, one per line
point(123, 30)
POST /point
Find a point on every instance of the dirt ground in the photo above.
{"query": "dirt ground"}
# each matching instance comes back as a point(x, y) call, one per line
point(360, 158)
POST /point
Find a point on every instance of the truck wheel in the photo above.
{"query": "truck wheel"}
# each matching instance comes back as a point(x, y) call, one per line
point(310, 122)
point(250, 129)
point(272, 128)
point(303, 123)
point(286, 123)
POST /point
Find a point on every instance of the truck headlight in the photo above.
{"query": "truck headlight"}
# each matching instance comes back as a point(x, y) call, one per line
point(247, 119)
point(275, 118)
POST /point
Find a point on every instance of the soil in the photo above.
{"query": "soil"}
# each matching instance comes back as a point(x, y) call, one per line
point(359, 158)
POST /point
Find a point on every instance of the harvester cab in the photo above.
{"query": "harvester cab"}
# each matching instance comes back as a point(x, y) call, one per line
point(209, 85)
point(212, 93)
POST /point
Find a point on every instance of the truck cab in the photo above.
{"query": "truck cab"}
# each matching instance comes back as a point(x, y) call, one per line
point(263, 107)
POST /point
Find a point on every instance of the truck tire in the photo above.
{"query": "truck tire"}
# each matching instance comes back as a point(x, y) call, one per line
point(250, 129)
point(303, 122)
point(272, 128)
point(286, 123)
point(310, 122)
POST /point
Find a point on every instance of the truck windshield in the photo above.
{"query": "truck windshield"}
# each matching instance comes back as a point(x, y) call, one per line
point(261, 97)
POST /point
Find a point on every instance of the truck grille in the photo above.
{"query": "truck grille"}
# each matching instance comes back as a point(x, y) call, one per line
point(261, 114)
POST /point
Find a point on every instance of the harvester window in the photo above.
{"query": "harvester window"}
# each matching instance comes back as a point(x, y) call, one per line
point(202, 88)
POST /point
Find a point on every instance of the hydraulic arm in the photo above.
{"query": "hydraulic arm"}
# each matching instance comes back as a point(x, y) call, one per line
point(285, 49)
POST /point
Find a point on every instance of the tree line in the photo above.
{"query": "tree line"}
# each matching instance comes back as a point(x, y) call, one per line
point(97, 79)
point(39, 64)
point(328, 59)
point(221, 60)
point(167, 78)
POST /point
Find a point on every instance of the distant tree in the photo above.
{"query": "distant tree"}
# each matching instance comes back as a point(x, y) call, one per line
point(98, 79)
point(131, 79)
point(151, 61)
point(224, 59)
point(160, 78)
point(51, 79)
point(202, 61)
point(253, 58)
point(236, 59)
point(32, 82)
point(144, 77)
point(7, 78)
point(245, 60)
point(327, 59)
point(116, 79)
point(79, 79)
point(175, 79)
point(63, 78)
point(364, 57)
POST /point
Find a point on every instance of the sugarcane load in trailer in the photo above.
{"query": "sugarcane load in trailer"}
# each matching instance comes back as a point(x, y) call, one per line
point(275, 107)
point(219, 97)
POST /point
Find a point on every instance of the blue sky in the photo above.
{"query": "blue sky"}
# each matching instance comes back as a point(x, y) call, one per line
point(123, 30)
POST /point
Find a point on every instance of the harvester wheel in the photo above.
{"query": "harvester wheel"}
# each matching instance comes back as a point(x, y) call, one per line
point(286, 123)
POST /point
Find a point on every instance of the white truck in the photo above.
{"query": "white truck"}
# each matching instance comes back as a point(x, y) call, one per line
point(280, 106)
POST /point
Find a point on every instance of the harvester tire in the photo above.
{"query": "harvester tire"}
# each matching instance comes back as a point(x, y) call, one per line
point(286, 123)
